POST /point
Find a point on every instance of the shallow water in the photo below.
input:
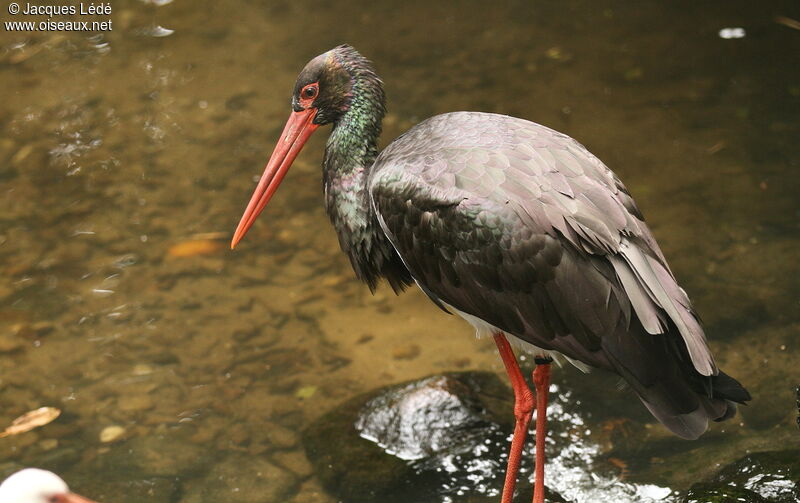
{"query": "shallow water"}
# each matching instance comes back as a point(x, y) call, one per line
point(127, 157)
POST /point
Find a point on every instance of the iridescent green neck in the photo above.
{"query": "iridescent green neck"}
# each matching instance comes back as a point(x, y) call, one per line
point(353, 143)
point(349, 154)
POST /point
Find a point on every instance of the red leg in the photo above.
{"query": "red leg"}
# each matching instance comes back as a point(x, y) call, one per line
point(523, 409)
point(541, 381)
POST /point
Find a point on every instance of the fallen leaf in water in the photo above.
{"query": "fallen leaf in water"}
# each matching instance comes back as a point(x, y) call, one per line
point(788, 22)
point(31, 420)
point(215, 235)
point(23, 54)
point(194, 247)
point(306, 392)
point(557, 54)
point(713, 149)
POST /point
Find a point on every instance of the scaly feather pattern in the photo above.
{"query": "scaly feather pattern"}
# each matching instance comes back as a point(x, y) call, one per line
point(522, 227)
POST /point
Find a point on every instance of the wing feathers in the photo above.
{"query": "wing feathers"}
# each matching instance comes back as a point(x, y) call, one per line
point(642, 302)
point(666, 294)
point(523, 228)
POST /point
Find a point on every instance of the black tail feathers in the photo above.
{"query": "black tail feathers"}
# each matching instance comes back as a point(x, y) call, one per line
point(725, 386)
point(729, 389)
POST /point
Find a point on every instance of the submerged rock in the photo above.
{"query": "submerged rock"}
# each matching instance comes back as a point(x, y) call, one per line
point(445, 438)
point(714, 493)
point(111, 434)
point(439, 414)
point(158, 455)
point(764, 477)
point(129, 488)
point(419, 441)
point(243, 479)
point(441, 438)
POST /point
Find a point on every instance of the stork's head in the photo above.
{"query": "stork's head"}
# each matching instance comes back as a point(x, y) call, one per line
point(336, 84)
point(33, 485)
point(324, 87)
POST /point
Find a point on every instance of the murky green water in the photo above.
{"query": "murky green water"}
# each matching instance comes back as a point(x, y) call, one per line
point(117, 147)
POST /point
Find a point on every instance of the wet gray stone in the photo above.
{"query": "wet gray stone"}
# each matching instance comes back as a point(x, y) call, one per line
point(764, 477)
point(426, 417)
point(439, 437)
point(713, 493)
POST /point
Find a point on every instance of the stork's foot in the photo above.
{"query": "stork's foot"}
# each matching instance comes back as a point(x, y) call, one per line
point(541, 381)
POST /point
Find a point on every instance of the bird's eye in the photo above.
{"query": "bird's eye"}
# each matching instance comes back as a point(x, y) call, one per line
point(309, 92)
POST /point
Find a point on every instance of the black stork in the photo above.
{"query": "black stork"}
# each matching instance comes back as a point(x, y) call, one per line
point(515, 227)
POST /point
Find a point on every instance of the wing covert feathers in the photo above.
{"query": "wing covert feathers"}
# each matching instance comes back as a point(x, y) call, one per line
point(524, 228)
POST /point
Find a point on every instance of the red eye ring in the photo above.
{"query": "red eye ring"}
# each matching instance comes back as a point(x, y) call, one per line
point(308, 93)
